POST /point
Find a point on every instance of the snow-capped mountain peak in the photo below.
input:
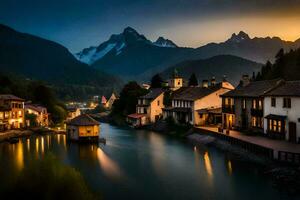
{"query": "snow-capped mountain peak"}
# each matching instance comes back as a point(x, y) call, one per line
point(117, 43)
point(237, 38)
point(162, 42)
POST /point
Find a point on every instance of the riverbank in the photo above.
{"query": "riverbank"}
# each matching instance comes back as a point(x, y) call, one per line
point(285, 177)
point(18, 133)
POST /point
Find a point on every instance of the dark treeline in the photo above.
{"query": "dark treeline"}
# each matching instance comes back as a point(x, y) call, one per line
point(34, 91)
point(286, 66)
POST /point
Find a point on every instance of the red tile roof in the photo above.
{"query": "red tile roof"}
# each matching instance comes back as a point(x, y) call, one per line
point(136, 115)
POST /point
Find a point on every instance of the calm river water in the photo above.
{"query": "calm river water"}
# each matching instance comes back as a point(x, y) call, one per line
point(137, 164)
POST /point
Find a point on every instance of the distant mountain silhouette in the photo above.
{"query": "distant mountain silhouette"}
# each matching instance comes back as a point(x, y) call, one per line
point(132, 55)
point(232, 67)
point(37, 58)
point(256, 49)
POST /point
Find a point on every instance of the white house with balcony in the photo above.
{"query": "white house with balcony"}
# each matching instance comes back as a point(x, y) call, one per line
point(282, 111)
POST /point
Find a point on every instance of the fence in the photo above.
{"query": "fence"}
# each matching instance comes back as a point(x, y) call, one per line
point(257, 149)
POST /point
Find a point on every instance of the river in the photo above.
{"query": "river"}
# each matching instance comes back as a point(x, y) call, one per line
point(139, 164)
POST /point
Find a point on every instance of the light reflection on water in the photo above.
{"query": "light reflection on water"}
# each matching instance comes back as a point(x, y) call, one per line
point(143, 165)
point(108, 166)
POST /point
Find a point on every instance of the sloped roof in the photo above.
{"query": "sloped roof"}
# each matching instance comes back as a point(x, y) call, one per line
point(10, 97)
point(136, 115)
point(83, 120)
point(193, 93)
point(253, 89)
point(153, 94)
point(287, 88)
point(37, 108)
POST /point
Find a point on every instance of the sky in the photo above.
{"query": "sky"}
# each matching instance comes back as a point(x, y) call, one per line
point(78, 24)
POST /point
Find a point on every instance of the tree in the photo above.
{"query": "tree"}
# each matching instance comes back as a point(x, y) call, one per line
point(193, 81)
point(156, 81)
point(128, 99)
point(32, 119)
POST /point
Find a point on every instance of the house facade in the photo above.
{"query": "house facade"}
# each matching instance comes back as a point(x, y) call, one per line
point(148, 109)
point(42, 116)
point(11, 112)
point(243, 108)
point(110, 101)
point(83, 128)
point(195, 105)
point(73, 112)
point(282, 112)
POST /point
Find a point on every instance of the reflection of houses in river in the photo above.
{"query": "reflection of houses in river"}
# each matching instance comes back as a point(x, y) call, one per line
point(83, 128)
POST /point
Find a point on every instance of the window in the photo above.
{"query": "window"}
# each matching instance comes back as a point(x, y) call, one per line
point(260, 104)
point(279, 126)
point(158, 102)
point(287, 102)
point(254, 104)
point(244, 104)
point(273, 102)
point(276, 125)
point(257, 122)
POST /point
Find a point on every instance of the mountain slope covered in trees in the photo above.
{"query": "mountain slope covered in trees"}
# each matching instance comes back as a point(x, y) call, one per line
point(36, 58)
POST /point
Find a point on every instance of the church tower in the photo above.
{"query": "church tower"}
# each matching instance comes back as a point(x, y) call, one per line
point(176, 81)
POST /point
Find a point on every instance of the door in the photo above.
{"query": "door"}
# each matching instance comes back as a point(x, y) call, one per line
point(292, 132)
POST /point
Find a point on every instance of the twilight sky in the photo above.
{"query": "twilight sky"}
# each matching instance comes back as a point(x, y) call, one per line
point(81, 23)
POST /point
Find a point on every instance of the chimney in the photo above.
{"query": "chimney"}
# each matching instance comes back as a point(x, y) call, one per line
point(213, 81)
point(245, 80)
point(205, 83)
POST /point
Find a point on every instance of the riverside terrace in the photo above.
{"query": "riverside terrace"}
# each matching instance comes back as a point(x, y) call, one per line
point(274, 149)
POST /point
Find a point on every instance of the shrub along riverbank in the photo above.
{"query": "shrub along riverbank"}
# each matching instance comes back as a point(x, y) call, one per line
point(48, 179)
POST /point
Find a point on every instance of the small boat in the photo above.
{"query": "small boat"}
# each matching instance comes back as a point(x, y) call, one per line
point(13, 140)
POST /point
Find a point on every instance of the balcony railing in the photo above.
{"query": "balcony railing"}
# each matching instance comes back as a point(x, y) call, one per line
point(228, 109)
point(258, 112)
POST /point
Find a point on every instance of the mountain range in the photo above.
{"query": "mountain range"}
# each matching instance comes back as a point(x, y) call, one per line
point(36, 58)
point(223, 66)
point(131, 54)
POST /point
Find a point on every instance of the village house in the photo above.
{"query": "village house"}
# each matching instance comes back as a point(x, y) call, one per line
point(108, 103)
point(148, 109)
point(282, 111)
point(11, 112)
point(42, 116)
point(72, 113)
point(5, 113)
point(83, 128)
point(243, 108)
point(198, 105)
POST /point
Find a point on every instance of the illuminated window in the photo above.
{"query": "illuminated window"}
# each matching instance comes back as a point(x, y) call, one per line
point(244, 104)
point(274, 125)
point(254, 104)
point(260, 104)
point(270, 124)
point(279, 126)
